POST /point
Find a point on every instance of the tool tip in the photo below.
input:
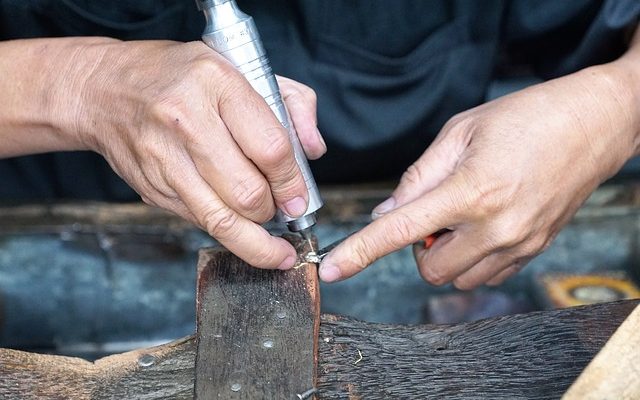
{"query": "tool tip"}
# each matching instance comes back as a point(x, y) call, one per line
point(307, 235)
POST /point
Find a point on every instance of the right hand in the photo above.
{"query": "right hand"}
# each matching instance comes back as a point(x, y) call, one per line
point(183, 128)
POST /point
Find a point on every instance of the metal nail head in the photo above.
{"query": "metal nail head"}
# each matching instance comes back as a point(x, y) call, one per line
point(146, 360)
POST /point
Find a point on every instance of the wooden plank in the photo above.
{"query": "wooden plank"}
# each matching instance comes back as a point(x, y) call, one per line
point(614, 373)
point(531, 356)
point(257, 330)
point(162, 372)
point(528, 356)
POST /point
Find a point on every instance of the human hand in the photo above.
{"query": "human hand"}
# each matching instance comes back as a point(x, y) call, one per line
point(182, 127)
point(504, 178)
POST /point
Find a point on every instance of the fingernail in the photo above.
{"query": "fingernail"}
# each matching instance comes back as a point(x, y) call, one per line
point(287, 263)
point(329, 273)
point(295, 207)
point(383, 208)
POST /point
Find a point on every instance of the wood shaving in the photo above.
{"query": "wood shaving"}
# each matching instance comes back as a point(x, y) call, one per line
point(359, 357)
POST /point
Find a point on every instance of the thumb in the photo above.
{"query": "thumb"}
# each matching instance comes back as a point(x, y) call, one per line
point(435, 165)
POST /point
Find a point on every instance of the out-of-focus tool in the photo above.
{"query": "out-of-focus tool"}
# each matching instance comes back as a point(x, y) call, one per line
point(560, 290)
point(234, 35)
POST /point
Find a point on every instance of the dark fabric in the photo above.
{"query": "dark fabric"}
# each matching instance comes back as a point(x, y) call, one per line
point(388, 74)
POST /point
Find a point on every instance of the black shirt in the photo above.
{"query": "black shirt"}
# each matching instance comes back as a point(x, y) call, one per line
point(388, 74)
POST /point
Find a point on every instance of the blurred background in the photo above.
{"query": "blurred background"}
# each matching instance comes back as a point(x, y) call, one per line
point(90, 279)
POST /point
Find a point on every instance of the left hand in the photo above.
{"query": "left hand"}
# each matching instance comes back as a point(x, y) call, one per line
point(504, 177)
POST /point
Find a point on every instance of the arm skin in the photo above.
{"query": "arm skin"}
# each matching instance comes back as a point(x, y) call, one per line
point(505, 177)
point(174, 120)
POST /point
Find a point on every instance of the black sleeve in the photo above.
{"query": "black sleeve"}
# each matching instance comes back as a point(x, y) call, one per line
point(559, 37)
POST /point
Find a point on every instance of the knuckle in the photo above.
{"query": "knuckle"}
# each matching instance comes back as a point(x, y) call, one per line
point(433, 276)
point(465, 197)
point(207, 63)
point(399, 233)
point(309, 93)
point(208, 67)
point(171, 179)
point(150, 153)
point(278, 148)
point(536, 245)
point(362, 251)
point(148, 201)
point(480, 195)
point(508, 233)
point(251, 194)
point(219, 222)
point(231, 86)
point(464, 284)
point(547, 243)
point(459, 121)
point(169, 113)
point(412, 176)
point(483, 201)
point(265, 256)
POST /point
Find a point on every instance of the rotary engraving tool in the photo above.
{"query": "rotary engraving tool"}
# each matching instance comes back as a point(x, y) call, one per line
point(234, 35)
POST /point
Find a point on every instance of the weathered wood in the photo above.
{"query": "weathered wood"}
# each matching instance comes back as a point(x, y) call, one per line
point(257, 330)
point(613, 373)
point(163, 372)
point(528, 356)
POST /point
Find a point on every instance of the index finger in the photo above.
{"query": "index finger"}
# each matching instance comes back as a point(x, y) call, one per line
point(264, 140)
point(430, 213)
point(241, 236)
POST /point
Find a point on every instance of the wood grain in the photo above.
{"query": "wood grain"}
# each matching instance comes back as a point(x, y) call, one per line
point(257, 329)
point(615, 372)
point(528, 356)
point(163, 372)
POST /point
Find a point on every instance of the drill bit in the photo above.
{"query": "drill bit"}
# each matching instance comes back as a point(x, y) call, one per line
point(307, 234)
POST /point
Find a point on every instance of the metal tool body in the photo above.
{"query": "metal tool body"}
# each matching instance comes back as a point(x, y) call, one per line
point(234, 35)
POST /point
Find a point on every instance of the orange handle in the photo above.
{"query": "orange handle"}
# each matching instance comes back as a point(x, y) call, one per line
point(431, 239)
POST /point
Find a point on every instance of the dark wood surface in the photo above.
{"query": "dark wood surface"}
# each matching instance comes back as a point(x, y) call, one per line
point(257, 330)
point(528, 356)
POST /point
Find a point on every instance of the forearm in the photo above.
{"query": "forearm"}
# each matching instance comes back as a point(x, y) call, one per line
point(41, 83)
point(604, 101)
point(624, 76)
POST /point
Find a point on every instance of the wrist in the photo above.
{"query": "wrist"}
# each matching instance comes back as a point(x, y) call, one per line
point(615, 89)
point(41, 92)
point(72, 88)
point(624, 75)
